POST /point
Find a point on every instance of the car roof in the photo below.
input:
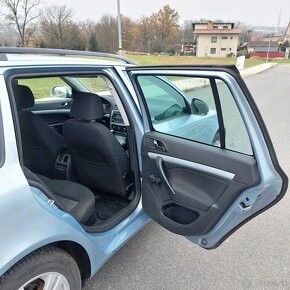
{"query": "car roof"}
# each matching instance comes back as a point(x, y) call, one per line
point(13, 60)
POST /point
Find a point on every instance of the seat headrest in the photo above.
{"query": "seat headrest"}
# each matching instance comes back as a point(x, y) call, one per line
point(23, 96)
point(87, 106)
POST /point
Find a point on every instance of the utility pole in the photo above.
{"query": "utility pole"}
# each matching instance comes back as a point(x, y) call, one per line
point(119, 26)
point(268, 51)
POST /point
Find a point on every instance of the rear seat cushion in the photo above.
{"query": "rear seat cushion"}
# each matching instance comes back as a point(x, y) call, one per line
point(76, 198)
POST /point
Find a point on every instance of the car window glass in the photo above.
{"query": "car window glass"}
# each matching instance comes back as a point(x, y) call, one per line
point(237, 138)
point(47, 89)
point(181, 106)
point(96, 85)
point(185, 107)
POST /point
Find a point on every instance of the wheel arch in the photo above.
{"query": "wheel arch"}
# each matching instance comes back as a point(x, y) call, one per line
point(73, 248)
point(79, 254)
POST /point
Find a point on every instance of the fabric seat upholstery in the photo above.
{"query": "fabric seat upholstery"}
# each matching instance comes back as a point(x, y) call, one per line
point(71, 197)
point(78, 200)
point(100, 161)
point(41, 144)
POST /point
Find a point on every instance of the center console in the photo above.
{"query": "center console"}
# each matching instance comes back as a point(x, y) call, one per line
point(118, 127)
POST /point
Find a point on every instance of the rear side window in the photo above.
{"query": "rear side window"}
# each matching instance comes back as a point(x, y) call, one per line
point(198, 109)
point(46, 89)
point(95, 84)
point(164, 102)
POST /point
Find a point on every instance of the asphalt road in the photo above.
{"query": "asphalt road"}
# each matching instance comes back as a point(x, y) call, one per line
point(257, 256)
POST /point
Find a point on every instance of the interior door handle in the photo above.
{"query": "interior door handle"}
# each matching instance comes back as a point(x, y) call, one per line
point(163, 178)
point(62, 105)
point(160, 145)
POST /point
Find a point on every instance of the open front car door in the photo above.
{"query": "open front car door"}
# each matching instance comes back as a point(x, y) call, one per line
point(208, 162)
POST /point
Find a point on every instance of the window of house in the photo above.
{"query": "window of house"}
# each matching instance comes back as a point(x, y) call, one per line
point(215, 26)
point(230, 49)
point(224, 37)
point(213, 50)
point(225, 26)
point(223, 49)
point(214, 39)
point(185, 107)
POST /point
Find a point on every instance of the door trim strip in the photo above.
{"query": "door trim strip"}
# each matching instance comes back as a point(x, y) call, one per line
point(194, 165)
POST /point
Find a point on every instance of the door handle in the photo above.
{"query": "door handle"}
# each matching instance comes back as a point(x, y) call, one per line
point(160, 145)
point(163, 178)
point(63, 105)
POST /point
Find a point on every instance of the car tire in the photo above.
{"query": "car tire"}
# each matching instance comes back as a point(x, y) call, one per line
point(48, 266)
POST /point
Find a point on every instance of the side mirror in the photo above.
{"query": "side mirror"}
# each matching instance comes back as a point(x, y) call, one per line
point(60, 92)
point(199, 107)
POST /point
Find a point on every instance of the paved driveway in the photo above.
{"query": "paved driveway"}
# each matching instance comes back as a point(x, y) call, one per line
point(257, 256)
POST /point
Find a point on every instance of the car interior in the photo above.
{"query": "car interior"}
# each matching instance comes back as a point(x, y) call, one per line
point(75, 149)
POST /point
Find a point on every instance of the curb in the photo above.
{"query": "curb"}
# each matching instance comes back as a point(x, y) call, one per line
point(186, 85)
point(256, 69)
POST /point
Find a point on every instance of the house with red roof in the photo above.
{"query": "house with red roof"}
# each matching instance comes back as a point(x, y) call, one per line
point(215, 39)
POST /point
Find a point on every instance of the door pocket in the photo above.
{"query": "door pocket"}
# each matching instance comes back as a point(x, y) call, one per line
point(180, 214)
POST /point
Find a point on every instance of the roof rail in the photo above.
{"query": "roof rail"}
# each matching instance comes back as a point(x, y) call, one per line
point(52, 51)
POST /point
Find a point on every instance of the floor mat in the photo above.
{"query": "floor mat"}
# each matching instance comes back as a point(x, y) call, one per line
point(108, 205)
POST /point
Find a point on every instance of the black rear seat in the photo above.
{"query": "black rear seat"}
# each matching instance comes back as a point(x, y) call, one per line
point(69, 196)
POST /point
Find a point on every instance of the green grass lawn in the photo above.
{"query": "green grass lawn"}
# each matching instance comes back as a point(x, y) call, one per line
point(189, 60)
point(41, 87)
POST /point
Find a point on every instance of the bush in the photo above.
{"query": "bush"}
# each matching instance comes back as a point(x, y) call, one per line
point(230, 55)
point(158, 46)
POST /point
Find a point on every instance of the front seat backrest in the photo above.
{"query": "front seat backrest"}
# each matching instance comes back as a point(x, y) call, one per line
point(41, 144)
point(100, 161)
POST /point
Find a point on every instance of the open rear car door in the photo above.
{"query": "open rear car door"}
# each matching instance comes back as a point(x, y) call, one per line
point(208, 162)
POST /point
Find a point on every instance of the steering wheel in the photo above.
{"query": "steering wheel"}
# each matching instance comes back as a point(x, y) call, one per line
point(172, 111)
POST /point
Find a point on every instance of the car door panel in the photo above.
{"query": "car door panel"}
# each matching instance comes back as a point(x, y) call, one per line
point(204, 189)
point(54, 113)
point(54, 118)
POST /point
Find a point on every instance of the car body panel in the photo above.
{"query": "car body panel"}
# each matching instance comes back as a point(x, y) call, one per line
point(52, 224)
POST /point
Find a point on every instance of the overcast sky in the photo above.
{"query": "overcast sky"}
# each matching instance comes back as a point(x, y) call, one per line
point(255, 12)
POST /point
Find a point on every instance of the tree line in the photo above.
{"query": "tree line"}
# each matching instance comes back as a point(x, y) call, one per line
point(55, 27)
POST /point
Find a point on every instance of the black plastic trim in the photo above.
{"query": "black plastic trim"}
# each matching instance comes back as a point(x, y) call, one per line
point(219, 112)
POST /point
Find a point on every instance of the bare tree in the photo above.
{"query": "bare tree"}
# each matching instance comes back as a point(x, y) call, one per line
point(107, 34)
point(129, 33)
point(54, 24)
point(187, 31)
point(165, 23)
point(145, 33)
point(22, 13)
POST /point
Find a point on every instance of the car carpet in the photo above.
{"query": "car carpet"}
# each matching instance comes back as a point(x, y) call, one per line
point(108, 205)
